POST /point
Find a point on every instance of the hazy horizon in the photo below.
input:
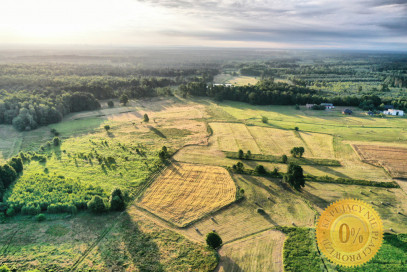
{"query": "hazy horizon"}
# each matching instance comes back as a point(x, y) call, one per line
point(356, 25)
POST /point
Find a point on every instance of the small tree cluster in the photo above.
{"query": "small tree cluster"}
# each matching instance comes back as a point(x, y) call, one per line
point(56, 141)
point(116, 200)
point(238, 167)
point(124, 99)
point(246, 156)
point(260, 169)
point(297, 151)
point(294, 176)
point(107, 127)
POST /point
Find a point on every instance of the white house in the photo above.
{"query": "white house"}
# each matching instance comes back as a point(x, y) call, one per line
point(394, 112)
point(328, 106)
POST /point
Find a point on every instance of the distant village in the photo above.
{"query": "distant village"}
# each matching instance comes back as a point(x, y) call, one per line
point(388, 109)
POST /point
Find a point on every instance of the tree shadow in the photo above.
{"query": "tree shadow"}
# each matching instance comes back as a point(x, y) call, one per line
point(318, 201)
point(228, 265)
point(157, 132)
point(130, 242)
point(395, 241)
point(331, 171)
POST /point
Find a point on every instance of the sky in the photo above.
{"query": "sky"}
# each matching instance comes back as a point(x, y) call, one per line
point(326, 24)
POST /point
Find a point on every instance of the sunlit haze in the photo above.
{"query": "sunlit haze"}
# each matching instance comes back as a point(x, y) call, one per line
point(356, 24)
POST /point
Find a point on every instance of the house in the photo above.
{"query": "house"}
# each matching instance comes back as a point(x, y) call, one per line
point(223, 84)
point(309, 106)
point(328, 106)
point(347, 111)
point(394, 112)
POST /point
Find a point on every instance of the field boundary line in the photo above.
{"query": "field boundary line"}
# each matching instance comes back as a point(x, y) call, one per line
point(249, 235)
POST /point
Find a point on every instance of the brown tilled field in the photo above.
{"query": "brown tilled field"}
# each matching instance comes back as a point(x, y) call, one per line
point(393, 159)
point(186, 192)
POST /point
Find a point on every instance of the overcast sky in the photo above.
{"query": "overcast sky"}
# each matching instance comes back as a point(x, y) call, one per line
point(349, 24)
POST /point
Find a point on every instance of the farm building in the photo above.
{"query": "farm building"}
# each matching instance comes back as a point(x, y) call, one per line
point(347, 111)
point(309, 106)
point(394, 112)
point(328, 106)
point(223, 84)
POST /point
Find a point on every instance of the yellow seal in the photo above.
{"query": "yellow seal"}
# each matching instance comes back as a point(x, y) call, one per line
point(349, 232)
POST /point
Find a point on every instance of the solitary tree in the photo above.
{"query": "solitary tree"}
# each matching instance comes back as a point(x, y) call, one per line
point(241, 154)
point(56, 141)
point(107, 127)
point(260, 169)
point(124, 99)
point(116, 200)
point(294, 176)
point(264, 119)
point(296, 129)
point(146, 119)
point(110, 104)
point(297, 151)
point(284, 159)
point(213, 240)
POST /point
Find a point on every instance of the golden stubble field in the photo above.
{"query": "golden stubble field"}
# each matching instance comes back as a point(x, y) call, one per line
point(186, 192)
point(393, 159)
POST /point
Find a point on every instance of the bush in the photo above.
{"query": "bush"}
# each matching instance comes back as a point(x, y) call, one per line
point(110, 104)
point(7, 175)
point(4, 268)
point(124, 99)
point(117, 203)
point(56, 141)
point(107, 127)
point(296, 129)
point(261, 211)
point(146, 118)
point(260, 169)
point(96, 205)
point(17, 164)
point(40, 217)
point(30, 209)
point(213, 240)
point(294, 176)
point(284, 159)
point(241, 154)
point(264, 119)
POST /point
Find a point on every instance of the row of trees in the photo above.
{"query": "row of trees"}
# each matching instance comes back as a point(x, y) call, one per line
point(9, 172)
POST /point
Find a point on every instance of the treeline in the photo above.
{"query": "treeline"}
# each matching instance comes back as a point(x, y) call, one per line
point(9, 173)
point(268, 92)
point(27, 110)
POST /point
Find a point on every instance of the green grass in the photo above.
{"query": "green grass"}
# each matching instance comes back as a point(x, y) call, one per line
point(392, 256)
point(300, 251)
point(277, 159)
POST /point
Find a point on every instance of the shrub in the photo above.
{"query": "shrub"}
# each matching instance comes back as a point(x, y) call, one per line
point(110, 104)
point(124, 99)
point(264, 119)
point(284, 159)
point(260, 169)
point(241, 154)
point(54, 131)
point(17, 164)
point(241, 191)
point(7, 174)
point(56, 141)
point(116, 203)
point(296, 129)
point(294, 176)
point(146, 118)
point(30, 209)
point(96, 205)
point(107, 127)
point(40, 217)
point(261, 211)
point(213, 240)
point(4, 268)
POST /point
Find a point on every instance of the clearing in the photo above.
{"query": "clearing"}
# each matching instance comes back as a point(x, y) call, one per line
point(186, 192)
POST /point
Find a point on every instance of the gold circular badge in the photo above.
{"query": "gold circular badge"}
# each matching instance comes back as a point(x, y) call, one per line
point(349, 232)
